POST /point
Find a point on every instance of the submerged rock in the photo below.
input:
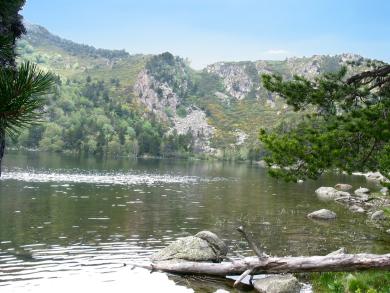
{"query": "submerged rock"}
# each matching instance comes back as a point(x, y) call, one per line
point(343, 187)
point(204, 246)
point(330, 193)
point(278, 284)
point(322, 214)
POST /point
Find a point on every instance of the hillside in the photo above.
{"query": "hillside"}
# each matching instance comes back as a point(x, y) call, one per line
point(112, 102)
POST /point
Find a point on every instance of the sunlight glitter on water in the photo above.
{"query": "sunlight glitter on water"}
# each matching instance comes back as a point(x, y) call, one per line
point(111, 178)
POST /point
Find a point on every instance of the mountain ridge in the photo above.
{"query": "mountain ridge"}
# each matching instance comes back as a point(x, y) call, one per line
point(216, 111)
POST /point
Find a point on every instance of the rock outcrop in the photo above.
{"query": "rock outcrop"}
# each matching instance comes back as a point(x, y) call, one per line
point(196, 123)
point(236, 80)
point(158, 97)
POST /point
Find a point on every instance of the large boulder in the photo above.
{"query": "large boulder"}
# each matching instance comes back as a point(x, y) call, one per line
point(329, 193)
point(343, 187)
point(322, 214)
point(204, 246)
point(277, 284)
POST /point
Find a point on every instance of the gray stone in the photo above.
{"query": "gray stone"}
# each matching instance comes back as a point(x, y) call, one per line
point(362, 191)
point(330, 193)
point(388, 231)
point(378, 216)
point(214, 241)
point(376, 176)
point(204, 246)
point(278, 284)
point(343, 187)
point(322, 214)
point(384, 190)
point(356, 209)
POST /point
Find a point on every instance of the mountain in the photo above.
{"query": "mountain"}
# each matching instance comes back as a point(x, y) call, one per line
point(112, 102)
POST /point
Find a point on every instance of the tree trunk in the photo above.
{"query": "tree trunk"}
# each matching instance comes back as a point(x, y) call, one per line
point(2, 146)
point(328, 263)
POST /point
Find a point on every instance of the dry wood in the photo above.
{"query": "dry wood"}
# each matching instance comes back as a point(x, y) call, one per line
point(337, 261)
point(289, 264)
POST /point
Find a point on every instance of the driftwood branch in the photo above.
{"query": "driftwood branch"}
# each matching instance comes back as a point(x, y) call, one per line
point(251, 242)
point(297, 264)
point(242, 277)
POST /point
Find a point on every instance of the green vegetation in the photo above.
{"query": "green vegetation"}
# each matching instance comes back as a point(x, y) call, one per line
point(348, 128)
point(85, 118)
point(21, 88)
point(358, 282)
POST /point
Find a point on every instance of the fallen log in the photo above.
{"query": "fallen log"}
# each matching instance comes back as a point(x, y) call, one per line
point(337, 261)
point(288, 264)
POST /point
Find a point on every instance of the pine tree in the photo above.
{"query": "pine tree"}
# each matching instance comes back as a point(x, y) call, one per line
point(345, 124)
point(21, 88)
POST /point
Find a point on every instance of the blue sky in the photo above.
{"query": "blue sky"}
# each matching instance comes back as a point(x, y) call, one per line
point(207, 31)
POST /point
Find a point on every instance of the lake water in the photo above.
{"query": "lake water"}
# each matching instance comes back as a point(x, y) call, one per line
point(71, 223)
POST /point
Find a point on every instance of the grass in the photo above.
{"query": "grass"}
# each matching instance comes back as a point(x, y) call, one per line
point(358, 282)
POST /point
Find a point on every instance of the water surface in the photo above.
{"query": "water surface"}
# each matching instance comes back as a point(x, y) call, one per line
point(73, 222)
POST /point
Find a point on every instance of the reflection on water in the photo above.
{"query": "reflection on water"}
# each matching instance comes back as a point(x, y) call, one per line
point(71, 222)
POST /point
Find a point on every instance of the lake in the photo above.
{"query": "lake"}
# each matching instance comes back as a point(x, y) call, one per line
point(73, 222)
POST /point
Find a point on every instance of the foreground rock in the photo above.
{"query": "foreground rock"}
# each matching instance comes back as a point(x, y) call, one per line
point(378, 216)
point(278, 284)
point(329, 193)
point(343, 187)
point(322, 214)
point(204, 246)
point(362, 191)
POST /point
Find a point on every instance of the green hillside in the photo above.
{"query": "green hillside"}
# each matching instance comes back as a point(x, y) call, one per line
point(109, 102)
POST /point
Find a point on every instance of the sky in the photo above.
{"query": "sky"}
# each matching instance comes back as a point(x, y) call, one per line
point(208, 31)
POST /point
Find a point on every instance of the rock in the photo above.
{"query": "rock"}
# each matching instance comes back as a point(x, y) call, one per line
point(378, 216)
point(214, 241)
point(362, 191)
point(343, 187)
point(356, 209)
point(384, 191)
point(322, 214)
point(330, 193)
point(388, 231)
point(376, 176)
point(204, 246)
point(195, 122)
point(278, 284)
